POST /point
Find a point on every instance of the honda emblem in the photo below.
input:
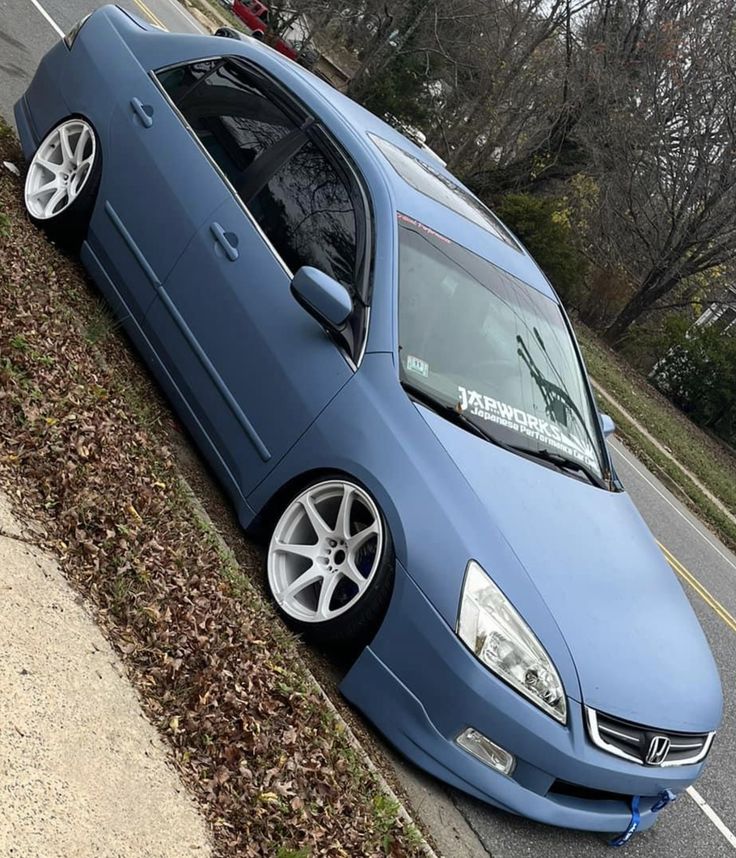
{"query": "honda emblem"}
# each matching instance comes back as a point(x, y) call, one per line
point(657, 751)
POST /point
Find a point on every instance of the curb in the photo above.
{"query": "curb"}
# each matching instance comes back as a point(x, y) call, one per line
point(353, 740)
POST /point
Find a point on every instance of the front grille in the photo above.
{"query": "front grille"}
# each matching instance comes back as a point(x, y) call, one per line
point(645, 745)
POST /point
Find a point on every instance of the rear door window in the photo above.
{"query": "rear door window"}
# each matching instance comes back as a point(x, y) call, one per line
point(231, 112)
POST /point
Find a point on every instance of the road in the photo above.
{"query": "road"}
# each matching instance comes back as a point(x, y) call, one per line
point(28, 28)
point(706, 568)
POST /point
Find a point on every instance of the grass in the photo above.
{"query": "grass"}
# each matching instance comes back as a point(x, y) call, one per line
point(711, 462)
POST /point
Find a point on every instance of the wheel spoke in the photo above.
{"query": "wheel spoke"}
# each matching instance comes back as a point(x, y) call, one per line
point(342, 526)
point(320, 526)
point(360, 538)
point(80, 147)
point(86, 163)
point(54, 201)
point(350, 570)
point(311, 576)
point(49, 165)
point(308, 551)
point(66, 147)
point(327, 591)
point(44, 189)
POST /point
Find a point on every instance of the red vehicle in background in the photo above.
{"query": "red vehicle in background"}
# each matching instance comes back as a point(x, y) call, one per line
point(254, 15)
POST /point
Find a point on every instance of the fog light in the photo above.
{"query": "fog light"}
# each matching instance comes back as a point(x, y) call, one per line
point(486, 751)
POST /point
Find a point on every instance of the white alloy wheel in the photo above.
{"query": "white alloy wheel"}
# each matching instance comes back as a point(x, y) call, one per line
point(60, 169)
point(325, 551)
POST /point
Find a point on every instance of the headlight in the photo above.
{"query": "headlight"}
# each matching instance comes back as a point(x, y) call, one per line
point(490, 626)
point(71, 36)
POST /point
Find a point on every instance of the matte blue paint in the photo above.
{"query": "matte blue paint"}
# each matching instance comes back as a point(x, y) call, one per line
point(325, 298)
point(134, 249)
point(271, 399)
point(215, 377)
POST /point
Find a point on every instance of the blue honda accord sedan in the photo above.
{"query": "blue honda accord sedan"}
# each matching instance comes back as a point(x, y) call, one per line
point(388, 387)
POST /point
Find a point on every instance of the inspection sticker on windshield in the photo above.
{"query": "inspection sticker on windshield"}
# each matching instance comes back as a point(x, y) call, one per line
point(548, 433)
point(415, 364)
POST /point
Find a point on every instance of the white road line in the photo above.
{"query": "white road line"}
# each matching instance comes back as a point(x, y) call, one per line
point(712, 815)
point(678, 511)
point(49, 19)
point(189, 18)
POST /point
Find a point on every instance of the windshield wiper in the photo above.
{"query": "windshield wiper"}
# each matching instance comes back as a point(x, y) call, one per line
point(455, 414)
point(566, 463)
point(551, 391)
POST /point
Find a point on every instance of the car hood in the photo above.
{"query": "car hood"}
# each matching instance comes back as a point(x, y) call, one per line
point(638, 649)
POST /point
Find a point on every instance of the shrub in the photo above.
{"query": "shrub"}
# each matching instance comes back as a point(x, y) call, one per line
point(543, 224)
point(698, 373)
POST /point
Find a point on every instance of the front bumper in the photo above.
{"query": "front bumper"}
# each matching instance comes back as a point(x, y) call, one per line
point(421, 688)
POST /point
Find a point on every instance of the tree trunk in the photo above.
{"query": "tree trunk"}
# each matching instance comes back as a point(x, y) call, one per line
point(619, 327)
point(654, 286)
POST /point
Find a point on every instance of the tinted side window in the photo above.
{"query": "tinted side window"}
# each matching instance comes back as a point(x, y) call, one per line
point(232, 116)
point(307, 213)
point(181, 79)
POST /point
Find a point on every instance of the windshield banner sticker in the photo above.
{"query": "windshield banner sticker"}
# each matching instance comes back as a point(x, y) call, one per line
point(548, 434)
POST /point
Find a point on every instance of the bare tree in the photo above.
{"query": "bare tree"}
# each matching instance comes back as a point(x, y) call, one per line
point(659, 125)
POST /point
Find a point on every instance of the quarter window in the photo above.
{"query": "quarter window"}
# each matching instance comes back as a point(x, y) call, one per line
point(306, 210)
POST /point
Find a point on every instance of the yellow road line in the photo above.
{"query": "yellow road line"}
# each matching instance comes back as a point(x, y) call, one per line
point(149, 14)
point(704, 594)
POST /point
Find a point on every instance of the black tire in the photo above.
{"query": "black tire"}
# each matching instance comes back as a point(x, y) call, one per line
point(356, 626)
point(68, 228)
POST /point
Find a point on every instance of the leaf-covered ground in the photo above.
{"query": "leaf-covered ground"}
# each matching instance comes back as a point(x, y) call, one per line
point(82, 453)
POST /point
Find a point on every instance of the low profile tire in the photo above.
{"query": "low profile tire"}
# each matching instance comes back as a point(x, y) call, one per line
point(330, 563)
point(62, 181)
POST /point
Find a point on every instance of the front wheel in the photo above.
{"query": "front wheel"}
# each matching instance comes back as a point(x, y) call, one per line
point(62, 180)
point(331, 564)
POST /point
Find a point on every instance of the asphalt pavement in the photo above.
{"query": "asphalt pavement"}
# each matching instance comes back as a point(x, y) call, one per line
point(28, 28)
point(701, 823)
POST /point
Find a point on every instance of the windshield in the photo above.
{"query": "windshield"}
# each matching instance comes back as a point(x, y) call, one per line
point(478, 339)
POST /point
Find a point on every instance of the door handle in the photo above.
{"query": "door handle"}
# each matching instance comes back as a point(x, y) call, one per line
point(228, 241)
point(144, 112)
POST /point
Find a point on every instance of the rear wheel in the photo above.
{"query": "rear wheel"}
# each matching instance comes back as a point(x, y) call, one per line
point(330, 563)
point(62, 180)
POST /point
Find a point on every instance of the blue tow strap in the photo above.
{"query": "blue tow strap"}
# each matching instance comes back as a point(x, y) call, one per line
point(633, 825)
point(663, 799)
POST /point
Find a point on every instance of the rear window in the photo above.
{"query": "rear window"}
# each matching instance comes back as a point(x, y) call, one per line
point(429, 182)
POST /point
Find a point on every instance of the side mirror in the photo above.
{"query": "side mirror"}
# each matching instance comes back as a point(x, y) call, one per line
point(607, 424)
point(325, 299)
